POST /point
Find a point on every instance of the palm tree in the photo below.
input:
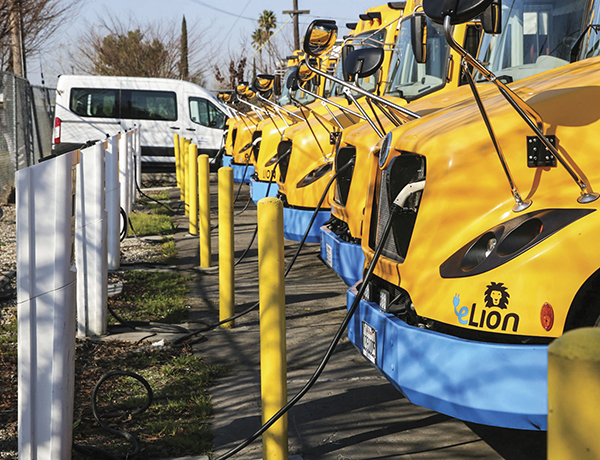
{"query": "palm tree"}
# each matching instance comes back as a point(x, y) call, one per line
point(267, 22)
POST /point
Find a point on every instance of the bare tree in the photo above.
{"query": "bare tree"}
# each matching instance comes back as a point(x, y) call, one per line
point(38, 20)
point(114, 47)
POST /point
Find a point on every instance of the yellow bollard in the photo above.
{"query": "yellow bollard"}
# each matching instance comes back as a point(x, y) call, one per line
point(186, 175)
point(574, 396)
point(193, 181)
point(181, 168)
point(272, 326)
point(204, 205)
point(176, 145)
point(226, 250)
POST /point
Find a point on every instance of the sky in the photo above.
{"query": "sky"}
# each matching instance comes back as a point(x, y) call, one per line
point(231, 21)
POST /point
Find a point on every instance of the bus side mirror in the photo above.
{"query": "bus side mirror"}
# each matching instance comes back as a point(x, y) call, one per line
point(418, 38)
point(459, 11)
point(320, 37)
point(363, 62)
point(242, 88)
point(263, 83)
point(304, 73)
point(491, 18)
point(346, 50)
point(292, 81)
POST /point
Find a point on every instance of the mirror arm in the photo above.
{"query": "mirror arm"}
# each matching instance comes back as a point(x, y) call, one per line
point(388, 113)
point(407, 114)
point(524, 110)
point(520, 205)
point(348, 93)
point(308, 122)
point(275, 108)
point(256, 109)
point(333, 117)
point(279, 108)
point(327, 101)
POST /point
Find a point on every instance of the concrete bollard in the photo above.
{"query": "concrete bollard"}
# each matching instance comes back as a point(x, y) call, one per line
point(226, 250)
point(193, 187)
point(112, 203)
point(186, 175)
point(272, 326)
point(204, 211)
point(177, 160)
point(574, 396)
point(181, 169)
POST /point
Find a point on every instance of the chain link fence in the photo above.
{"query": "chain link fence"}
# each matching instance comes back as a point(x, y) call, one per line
point(26, 123)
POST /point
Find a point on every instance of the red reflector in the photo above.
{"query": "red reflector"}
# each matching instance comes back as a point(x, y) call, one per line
point(547, 316)
point(57, 126)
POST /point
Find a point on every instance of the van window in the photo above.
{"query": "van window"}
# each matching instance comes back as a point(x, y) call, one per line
point(88, 102)
point(129, 104)
point(149, 105)
point(204, 113)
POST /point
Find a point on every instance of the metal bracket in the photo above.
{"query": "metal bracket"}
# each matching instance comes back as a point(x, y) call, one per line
point(538, 155)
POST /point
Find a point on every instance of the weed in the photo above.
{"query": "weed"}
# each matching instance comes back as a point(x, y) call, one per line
point(145, 223)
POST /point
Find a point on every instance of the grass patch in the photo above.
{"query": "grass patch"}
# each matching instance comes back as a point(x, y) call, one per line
point(176, 422)
point(151, 296)
point(145, 223)
point(169, 250)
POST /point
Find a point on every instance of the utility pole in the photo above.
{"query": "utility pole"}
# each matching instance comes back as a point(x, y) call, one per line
point(16, 37)
point(295, 12)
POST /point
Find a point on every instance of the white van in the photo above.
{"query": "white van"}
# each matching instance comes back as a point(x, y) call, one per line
point(88, 108)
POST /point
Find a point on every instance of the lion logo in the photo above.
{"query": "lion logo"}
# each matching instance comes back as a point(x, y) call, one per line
point(496, 295)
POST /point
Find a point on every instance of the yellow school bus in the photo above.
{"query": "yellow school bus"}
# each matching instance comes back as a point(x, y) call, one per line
point(305, 151)
point(480, 219)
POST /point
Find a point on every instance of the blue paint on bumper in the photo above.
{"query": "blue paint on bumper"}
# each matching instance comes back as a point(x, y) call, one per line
point(492, 384)
point(295, 223)
point(346, 259)
point(258, 189)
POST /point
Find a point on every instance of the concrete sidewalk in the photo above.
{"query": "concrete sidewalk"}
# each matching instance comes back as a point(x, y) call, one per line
point(352, 412)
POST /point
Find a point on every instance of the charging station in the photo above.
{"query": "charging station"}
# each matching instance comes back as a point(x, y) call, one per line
point(91, 243)
point(124, 177)
point(46, 283)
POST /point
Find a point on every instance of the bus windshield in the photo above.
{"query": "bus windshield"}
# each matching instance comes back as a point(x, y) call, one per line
point(537, 35)
point(411, 80)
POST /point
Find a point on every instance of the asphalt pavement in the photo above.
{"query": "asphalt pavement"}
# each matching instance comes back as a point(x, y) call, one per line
point(352, 412)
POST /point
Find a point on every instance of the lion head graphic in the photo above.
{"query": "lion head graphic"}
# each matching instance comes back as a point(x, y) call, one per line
point(496, 295)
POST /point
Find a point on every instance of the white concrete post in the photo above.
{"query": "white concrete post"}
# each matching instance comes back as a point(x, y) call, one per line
point(112, 203)
point(124, 173)
point(46, 284)
point(90, 243)
point(131, 169)
point(138, 158)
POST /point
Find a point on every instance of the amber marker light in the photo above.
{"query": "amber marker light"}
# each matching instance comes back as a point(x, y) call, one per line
point(547, 316)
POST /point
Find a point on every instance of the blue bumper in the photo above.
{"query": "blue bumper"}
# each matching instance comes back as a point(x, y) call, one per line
point(492, 384)
point(242, 172)
point(295, 223)
point(258, 189)
point(346, 259)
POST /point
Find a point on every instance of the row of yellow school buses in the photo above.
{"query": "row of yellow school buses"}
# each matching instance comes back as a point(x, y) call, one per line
point(444, 155)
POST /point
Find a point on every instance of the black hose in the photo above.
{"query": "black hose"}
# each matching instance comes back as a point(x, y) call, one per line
point(101, 453)
point(330, 349)
point(123, 226)
point(285, 154)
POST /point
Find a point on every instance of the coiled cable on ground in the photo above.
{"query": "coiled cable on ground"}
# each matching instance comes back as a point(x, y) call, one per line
point(96, 452)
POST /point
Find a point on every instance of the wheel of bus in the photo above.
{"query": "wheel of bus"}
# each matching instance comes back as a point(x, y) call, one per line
point(585, 309)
